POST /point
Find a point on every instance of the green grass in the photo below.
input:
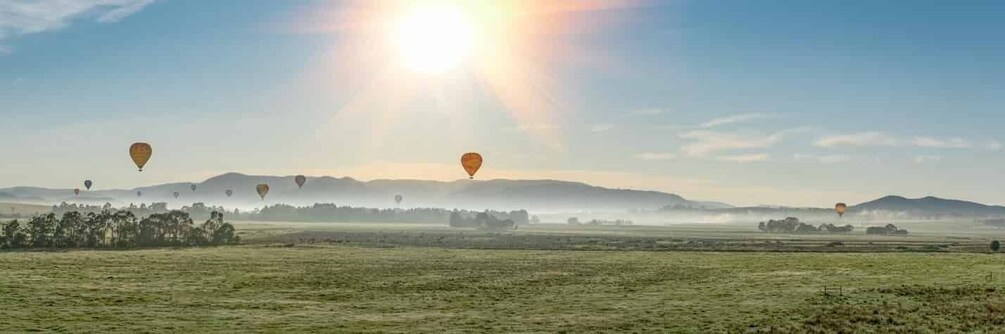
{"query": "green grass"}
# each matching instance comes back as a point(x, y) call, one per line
point(266, 287)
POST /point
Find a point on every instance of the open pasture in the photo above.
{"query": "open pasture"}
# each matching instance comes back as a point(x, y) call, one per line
point(404, 289)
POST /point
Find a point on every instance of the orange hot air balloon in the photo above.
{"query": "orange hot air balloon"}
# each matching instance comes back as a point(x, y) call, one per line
point(140, 152)
point(76, 192)
point(263, 189)
point(471, 162)
point(300, 180)
point(840, 208)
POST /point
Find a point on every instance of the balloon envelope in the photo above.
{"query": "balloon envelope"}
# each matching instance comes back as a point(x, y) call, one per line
point(262, 189)
point(139, 193)
point(76, 191)
point(140, 152)
point(471, 162)
point(300, 180)
point(229, 192)
point(176, 194)
point(398, 198)
point(87, 184)
point(193, 187)
point(840, 208)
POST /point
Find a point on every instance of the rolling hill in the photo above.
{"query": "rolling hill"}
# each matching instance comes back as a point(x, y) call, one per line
point(536, 195)
point(929, 206)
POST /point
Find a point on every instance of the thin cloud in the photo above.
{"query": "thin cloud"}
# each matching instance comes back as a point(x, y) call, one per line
point(744, 158)
point(734, 119)
point(927, 158)
point(653, 156)
point(602, 127)
point(705, 142)
point(861, 139)
point(19, 17)
point(931, 142)
point(824, 159)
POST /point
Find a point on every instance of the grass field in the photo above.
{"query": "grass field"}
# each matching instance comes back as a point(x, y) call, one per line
point(273, 284)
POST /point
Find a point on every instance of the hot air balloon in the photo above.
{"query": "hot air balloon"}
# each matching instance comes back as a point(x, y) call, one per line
point(471, 162)
point(139, 193)
point(76, 192)
point(840, 208)
point(229, 192)
point(263, 189)
point(176, 194)
point(300, 180)
point(193, 187)
point(140, 152)
point(87, 184)
point(398, 198)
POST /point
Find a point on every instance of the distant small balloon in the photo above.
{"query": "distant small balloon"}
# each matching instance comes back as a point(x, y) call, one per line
point(398, 198)
point(193, 187)
point(229, 192)
point(87, 184)
point(76, 191)
point(300, 180)
point(176, 194)
point(840, 208)
point(139, 193)
point(140, 152)
point(471, 162)
point(262, 189)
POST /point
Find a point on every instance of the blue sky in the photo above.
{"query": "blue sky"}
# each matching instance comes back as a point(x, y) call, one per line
point(749, 102)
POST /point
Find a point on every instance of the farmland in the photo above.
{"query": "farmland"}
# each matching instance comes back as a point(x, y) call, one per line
point(281, 280)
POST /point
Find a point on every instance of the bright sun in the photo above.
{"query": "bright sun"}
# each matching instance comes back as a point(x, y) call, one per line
point(434, 39)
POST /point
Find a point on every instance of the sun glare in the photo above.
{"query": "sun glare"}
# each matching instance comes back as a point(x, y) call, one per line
point(434, 40)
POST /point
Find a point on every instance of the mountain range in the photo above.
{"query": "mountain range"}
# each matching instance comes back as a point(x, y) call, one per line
point(535, 195)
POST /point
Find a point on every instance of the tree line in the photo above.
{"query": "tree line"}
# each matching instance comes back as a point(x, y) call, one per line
point(792, 225)
point(115, 229)
point(320, 212)
point(481, 220)
point(328, 212)
point(889, 229)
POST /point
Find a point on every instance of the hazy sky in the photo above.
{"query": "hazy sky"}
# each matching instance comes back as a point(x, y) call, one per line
point(748, 102)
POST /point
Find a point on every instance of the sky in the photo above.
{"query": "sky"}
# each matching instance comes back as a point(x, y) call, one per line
point(802, 103)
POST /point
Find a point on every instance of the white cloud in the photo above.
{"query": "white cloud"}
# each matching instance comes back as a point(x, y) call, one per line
point(955, 142)
point(858, 139)
point(23, 17)
point(734, 119)
point(745, 158)
point(602, 127)
point(873, 138)
point(927, 158)
point(656, 156)
point(705, 142)
point(824, 159)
